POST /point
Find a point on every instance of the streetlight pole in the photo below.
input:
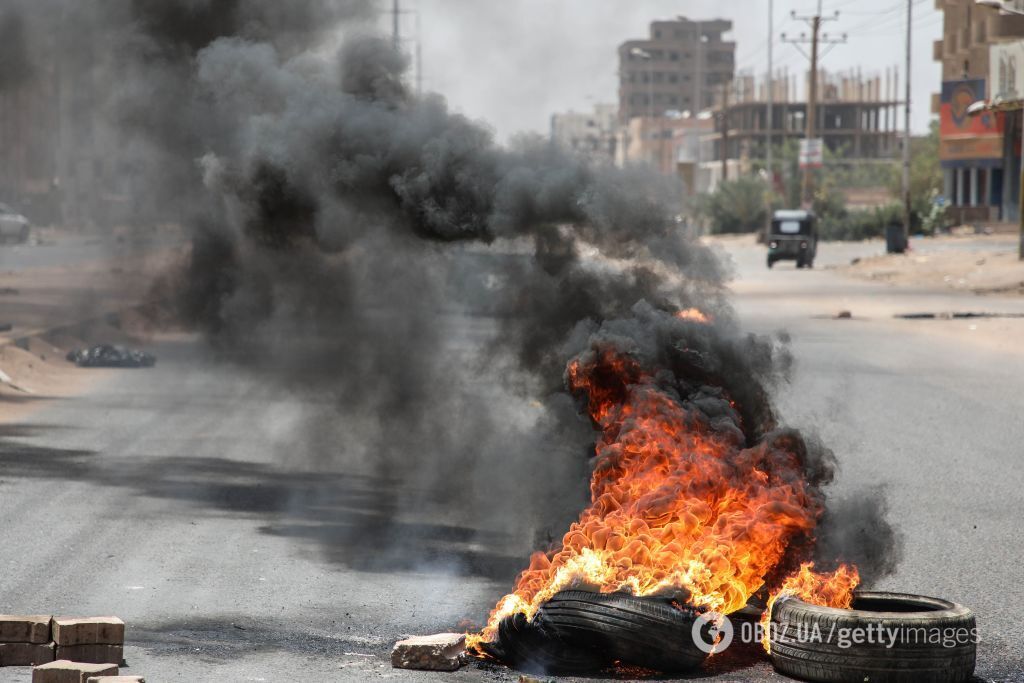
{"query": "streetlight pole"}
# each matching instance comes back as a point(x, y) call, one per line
point(649, 58)
point(906, 137)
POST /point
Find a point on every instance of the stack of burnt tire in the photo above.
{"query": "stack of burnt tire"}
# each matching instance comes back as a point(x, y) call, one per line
point(884, 638)
point(578, 632)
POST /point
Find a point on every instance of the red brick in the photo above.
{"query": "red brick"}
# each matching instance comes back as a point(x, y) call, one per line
point(93, 631)
point(33, 629)
point(63, 671)
point(25, 654)
point(94, 654)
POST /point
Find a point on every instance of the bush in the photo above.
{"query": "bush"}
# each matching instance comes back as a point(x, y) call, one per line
point(736, 206)
point(859, 225)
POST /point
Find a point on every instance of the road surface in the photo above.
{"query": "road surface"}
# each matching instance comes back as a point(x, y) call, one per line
point(166, 496)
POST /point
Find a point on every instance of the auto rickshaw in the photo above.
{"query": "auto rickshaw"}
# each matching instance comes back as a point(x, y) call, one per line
point(794, 237)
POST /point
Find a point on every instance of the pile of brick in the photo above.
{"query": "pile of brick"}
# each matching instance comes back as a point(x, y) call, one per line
point(63, 671)
point(65, 650)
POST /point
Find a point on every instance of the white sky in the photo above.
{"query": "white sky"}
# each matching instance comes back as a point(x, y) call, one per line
point(513, 63)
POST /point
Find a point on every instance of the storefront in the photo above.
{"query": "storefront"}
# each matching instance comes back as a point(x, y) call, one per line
point(973, 153)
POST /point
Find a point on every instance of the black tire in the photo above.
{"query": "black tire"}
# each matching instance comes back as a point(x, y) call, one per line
point(531, 646)
point(645, 632)
point(771, 262)
point(807, 641)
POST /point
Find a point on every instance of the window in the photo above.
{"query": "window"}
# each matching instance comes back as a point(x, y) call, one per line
point(789, 227)
point(657, 34)
point(673, 78)
point(674, 56)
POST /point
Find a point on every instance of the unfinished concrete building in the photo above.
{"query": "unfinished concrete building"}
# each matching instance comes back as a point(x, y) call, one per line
point(858, 118)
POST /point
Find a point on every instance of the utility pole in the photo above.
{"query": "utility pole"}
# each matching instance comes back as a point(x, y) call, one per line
point(770, 116)
point(906, 137)
point(396, 26)
point(816, 40)
point(419, 52)
point(724, 120)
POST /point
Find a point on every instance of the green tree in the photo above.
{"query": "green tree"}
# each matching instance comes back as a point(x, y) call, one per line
point(926, 179)
point(736, 206)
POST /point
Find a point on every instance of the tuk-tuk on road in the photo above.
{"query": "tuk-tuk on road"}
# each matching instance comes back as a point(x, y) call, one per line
point(794, 237)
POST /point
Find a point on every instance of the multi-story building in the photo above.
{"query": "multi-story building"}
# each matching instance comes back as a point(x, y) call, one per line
point(593, 135)
point(980, 155)
point(858, 120)
point(677, 68)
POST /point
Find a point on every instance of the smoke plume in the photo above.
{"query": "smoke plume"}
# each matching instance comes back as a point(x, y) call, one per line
point(381, 255)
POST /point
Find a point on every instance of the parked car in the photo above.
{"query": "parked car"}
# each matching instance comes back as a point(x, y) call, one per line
point(108, 356)
point(13, 226)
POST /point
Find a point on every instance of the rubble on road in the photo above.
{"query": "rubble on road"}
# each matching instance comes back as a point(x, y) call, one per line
point(24, 629)
point(116, 679)
point(63, 671)
point(110, 356)
point(441, 652)
point(26, 654)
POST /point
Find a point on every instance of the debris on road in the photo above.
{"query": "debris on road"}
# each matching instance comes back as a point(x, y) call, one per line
point(63, 671)
point(844, 315)
point(90, 631)
point(110, 356)
point(92, 653)
point(26, 654)
point(441, 652)
point(25, 629)
point(116, 679)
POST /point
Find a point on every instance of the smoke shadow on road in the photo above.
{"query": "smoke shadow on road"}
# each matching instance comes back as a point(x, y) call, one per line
point(352, 520)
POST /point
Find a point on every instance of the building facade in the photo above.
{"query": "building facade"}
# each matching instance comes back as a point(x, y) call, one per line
point(592, 135)
point(677, 68)
point(980, 155)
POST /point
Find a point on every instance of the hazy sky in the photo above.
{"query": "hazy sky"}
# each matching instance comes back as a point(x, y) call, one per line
point(515, 62)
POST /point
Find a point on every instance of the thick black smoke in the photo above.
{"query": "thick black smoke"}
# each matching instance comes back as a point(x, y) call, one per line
point(383, 256)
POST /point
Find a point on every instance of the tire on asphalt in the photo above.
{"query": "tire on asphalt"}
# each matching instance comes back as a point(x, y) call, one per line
point(917, 640)
point(645, 632)
point(532, 647)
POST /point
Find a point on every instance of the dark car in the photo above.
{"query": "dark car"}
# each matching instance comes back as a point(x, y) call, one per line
point(794, 237)
point(109, 356)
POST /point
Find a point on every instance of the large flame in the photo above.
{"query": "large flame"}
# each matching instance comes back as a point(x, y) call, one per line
point(828, 589)
point(678, 503)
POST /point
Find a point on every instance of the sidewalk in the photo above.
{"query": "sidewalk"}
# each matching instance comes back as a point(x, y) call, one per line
point(978, 264)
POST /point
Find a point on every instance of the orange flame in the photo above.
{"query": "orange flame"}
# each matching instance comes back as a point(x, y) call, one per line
point(828, 589)
point(694, 315)
point(678, 504)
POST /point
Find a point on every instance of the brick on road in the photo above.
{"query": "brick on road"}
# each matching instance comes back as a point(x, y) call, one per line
point(93, 631)
point(19, 629)
point(26, 654)
point(441, 652)
point(116, 679)
point(63, 671)
point(93, 654)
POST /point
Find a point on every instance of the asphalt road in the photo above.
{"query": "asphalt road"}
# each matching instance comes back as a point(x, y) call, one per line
point(168, 496)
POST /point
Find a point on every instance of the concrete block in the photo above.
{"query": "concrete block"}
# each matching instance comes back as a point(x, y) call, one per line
point(116, 679)
point(93, 654)
point(25, 654)
point(33, 629)
point(63, 671)
point(93, 631)
point(441, 652)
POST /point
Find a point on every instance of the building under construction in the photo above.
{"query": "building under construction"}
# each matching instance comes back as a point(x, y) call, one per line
point(858, 119)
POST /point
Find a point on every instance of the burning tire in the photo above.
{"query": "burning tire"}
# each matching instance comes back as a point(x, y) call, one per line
point(580, 631)
point(885, 638)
